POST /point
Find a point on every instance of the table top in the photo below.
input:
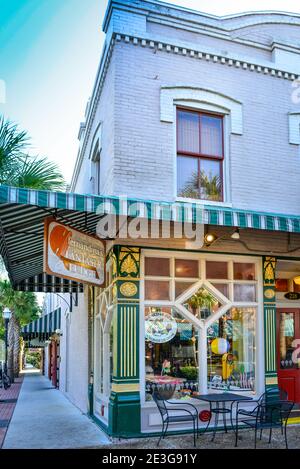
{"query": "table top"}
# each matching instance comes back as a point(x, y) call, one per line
point(222, 397)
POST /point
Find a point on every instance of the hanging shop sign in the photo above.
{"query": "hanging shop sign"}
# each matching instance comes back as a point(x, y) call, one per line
point(160, 327)
point(72, 254)
point(292, 296)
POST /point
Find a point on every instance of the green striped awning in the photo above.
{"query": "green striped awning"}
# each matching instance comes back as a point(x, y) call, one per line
point(151, 209)
point(22, 214)
point(43, 327)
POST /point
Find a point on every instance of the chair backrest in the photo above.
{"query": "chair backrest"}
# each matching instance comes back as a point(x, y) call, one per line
point(160, 402)
point(274, 394)
point(275, 412)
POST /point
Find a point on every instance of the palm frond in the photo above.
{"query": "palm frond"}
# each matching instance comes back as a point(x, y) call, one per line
point(13, 143)
point(38, 173)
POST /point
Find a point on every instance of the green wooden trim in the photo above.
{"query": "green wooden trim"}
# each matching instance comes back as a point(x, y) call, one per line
point(269, 290)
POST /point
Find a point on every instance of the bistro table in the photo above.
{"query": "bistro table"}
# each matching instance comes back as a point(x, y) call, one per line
point(217, 407)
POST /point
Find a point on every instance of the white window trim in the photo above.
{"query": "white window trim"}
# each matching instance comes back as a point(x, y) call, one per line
point(294, 128)
point(102, 352)
point(202, 325)
point(226, 161)
point(191, 95)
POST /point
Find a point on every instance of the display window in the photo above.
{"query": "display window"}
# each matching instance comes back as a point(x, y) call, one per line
point(199, 329)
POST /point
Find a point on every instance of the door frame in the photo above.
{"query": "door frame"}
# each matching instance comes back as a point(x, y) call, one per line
point(292, 372)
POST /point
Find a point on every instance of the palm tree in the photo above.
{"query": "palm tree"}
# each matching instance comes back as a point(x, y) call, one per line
point(24, 308)
point(18, 168)
point(208, 185)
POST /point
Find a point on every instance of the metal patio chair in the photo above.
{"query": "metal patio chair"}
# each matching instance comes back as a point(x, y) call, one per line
point(269, 415)
point(188, 415)
point(270, 395)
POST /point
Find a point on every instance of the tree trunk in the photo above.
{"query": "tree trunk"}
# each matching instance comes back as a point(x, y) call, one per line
point(10, 354)
point(16, 345)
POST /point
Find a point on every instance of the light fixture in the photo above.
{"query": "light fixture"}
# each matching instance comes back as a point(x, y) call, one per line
point(209, 238)
point(58, 332)
point(6, 313)
point(236, 234)
point(297, 280)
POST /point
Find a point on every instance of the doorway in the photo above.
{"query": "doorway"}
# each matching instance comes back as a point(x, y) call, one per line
point(288, 363)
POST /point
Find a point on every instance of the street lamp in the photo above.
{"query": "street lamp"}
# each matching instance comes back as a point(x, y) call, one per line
point(6, 316)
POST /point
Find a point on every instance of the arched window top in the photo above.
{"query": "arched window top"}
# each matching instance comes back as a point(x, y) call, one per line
point(171, 95)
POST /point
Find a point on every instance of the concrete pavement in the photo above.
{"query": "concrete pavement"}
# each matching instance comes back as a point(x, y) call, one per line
point(44, 418)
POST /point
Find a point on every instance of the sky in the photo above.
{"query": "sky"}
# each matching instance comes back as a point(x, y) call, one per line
point(49, 54)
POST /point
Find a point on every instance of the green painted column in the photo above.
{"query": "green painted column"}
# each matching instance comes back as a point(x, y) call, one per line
point(124, 407)
point(269, 279)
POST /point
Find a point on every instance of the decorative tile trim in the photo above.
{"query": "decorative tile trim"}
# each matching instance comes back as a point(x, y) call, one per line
point(170, 94)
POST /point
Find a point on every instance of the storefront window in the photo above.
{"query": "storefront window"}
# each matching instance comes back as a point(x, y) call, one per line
point(231, 350)
point(202, 304)
point(159, 267)
point(157, 290)
point(244, 292)
point(243, 271)
point(187, 268)
point(216, 270)
point(171, 352)
point(223, 288)
point(286, 339)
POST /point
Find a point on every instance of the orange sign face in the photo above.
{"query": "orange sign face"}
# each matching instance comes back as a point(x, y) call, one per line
point(72, 254)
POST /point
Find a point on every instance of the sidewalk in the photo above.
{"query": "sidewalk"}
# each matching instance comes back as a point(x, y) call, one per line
point(8, 400)
point(44, 418)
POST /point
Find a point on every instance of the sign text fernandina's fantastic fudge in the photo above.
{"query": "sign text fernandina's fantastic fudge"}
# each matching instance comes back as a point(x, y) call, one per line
point(72, 254)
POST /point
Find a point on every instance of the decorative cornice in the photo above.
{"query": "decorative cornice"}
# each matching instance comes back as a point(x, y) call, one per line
point(203, 54)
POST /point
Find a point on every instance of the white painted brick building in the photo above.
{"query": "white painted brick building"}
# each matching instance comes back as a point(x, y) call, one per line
point(156, 56)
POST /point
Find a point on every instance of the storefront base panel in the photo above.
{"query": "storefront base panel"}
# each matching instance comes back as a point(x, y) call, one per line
point(125, 414)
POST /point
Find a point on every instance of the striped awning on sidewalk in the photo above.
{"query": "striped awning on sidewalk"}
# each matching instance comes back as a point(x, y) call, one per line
point(151, 209)
point(23, 211)
point(43, 327)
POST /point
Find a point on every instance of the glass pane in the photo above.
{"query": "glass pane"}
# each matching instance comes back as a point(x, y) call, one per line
point(157, 290)
point(210, 180)
point(231, 350)
point(244, 292)
point(243, 271)
point(211, 136)
point(223, 288)
point(181, 287)
point(282, 285)
point(287, 336)
point(171, 353)
point(187, 177)
point(186, 268)
point(188, 132)
point(157, 266)
point(217, 270)
point(202, 304)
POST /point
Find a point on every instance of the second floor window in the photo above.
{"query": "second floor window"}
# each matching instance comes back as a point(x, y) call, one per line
point(200, 155)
